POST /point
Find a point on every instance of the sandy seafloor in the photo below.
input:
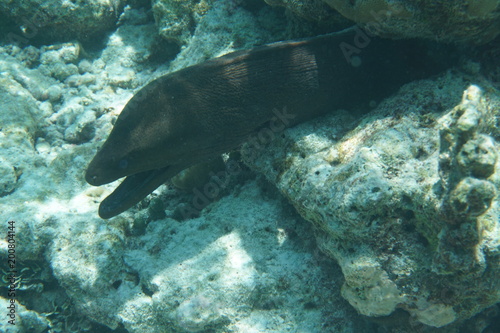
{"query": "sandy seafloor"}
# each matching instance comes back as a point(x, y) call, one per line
point(248, 263)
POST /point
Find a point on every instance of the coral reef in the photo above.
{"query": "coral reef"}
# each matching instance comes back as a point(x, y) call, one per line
point(404, 201)
point(463, 21)
point(404, 198)
point(58, 20)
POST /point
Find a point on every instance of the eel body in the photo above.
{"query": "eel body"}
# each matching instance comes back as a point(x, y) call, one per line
point(189, 116)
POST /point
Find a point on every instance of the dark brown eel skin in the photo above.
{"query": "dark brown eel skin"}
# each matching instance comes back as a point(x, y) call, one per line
point(189, 116)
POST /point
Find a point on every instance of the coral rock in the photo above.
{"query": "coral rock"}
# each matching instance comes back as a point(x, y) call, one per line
point(405, 199)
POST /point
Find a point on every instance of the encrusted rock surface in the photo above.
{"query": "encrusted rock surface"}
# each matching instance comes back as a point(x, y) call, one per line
point(475, 21)
point(470, 21)
point(312, 10)
point(405, 198)
point(60, 20)
point(212, 37)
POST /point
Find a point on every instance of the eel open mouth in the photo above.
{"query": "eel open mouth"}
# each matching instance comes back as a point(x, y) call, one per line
point(133, 189)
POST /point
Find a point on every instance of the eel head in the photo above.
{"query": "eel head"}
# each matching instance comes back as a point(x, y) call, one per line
point(151, 142)
point(146, 136)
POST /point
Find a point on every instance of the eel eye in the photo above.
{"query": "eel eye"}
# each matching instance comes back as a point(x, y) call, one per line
point(123, 164)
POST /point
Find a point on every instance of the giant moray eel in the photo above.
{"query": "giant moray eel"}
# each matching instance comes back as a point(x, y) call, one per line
point(189, 116)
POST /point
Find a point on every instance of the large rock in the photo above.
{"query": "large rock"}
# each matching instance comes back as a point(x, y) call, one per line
point(453, 21)
point(405, 198)
point(463, 21)
point(312, 10)
point(59, 20)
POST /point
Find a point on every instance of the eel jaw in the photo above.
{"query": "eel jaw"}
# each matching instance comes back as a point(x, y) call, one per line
point(135, 188)
point(96, 176)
